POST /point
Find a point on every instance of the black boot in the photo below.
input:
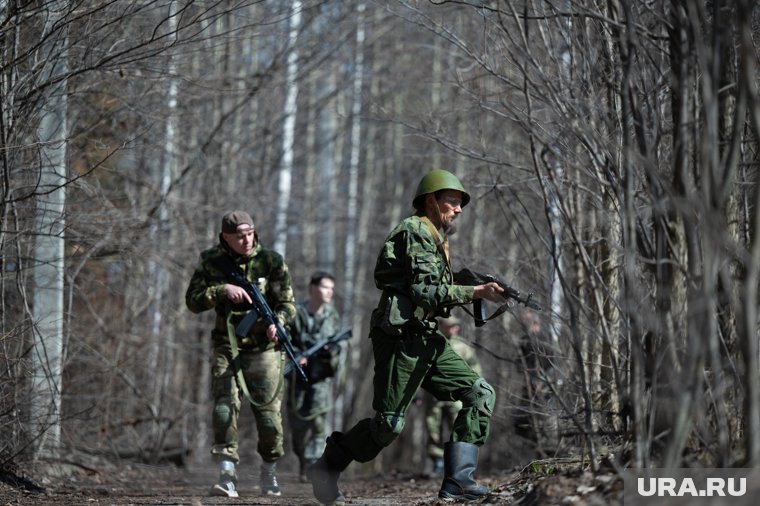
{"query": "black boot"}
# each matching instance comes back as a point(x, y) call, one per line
point(269, 485)
point(304, 465)
point(326, 470)
point(459, 462)
point(437, 471)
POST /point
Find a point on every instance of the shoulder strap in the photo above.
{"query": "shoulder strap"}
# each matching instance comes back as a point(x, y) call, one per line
point(441, 243)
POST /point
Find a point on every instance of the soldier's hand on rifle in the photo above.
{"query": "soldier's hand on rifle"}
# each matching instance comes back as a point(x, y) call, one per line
point(236, 294)
point(272, 333)
point(490, 291)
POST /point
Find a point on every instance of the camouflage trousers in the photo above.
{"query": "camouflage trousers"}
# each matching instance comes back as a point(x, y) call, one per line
point(263, 376)
point(308, 406)
point(403, 366)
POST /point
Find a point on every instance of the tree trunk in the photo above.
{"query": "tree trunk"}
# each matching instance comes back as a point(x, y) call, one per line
point(288, 135)
point(48, 301)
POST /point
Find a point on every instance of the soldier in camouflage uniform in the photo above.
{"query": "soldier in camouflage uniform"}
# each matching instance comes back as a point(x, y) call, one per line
point(308, 404)
point(252, 363)
point(440, 415)
point(413, 271)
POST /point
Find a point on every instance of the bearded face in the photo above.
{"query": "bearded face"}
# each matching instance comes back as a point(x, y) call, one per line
point(449, 207)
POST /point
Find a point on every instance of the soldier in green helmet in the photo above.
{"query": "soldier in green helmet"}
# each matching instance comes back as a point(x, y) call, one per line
point(413, 270)
point(250, 364)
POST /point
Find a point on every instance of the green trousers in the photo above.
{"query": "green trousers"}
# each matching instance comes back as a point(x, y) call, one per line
point(308, 406)
point(263, 375)
point(403, 366)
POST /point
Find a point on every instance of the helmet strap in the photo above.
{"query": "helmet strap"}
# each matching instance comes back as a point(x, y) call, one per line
point(444, 244)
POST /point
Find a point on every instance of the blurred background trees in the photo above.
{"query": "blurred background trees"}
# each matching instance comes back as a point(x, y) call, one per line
point(610, 148)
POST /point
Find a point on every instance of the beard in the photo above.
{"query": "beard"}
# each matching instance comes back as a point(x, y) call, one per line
point(449, 227)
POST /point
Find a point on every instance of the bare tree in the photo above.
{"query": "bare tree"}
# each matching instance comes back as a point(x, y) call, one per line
point(48, 303)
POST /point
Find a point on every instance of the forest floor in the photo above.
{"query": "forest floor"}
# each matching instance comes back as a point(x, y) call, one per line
point(131, 484)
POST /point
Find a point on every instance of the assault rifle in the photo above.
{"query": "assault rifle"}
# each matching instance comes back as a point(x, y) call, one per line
point(260, 309)
point(314, 348)
point(471, 278)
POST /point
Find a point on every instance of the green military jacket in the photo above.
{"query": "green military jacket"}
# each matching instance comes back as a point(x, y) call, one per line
point(416, 279)
point(308, 329)
point(263, 267)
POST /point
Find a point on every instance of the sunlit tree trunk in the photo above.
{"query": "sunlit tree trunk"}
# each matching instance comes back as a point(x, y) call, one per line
point(353, 167)
point(162, 335)
point(48, 300)
point(285, 176)
point(352, 205)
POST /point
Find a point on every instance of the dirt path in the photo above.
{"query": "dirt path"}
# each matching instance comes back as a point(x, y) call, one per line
point(145, 485)
point(175, 486)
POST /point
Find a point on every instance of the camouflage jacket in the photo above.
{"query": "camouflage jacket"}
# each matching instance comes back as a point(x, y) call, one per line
point(416, 279)
point(307, 329)
point(264, 268)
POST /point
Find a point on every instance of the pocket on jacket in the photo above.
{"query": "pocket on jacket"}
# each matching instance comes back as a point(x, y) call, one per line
point(393, 312)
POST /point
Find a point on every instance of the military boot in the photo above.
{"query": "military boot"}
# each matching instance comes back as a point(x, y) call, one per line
point(326, 470)
point(303, 467)
point(459, 462)
point(437, 471)
point(268, 478)
point(227, 484)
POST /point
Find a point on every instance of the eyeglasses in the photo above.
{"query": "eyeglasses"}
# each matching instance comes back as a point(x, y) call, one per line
point(452, 201)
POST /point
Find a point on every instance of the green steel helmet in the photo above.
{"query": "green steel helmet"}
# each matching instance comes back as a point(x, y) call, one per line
point(437, 180)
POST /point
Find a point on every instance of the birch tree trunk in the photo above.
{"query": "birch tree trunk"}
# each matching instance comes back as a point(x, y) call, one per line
point(163, 335)
point(288, 135)
point(48, 300)
point(326, 162)
point(353, 171)
point(351, 245)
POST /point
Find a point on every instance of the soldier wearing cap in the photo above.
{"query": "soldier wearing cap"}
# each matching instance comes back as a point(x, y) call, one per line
point(413, 271)
point(440, 415)
point(250, 363)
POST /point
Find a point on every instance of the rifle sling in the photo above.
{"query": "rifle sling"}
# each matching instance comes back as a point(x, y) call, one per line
point(495, 314)
point(235, 363)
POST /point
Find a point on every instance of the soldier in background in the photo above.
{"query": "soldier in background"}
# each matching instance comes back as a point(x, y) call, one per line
point(251, 365)
point(308, 404)
point(440, 415)
point(533, 418)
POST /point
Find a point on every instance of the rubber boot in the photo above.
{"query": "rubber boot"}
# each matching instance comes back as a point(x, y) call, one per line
point(326, 470)
point(459, 462)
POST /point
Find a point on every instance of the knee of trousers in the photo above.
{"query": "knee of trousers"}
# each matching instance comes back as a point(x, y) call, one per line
point(481, 396)
point(224, 412)
point(385, 427)
point(269, 427)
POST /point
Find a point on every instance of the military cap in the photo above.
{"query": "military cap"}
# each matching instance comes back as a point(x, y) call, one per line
point(233, 219)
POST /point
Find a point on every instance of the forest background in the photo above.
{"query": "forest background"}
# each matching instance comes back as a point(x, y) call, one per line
point(610, 148)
